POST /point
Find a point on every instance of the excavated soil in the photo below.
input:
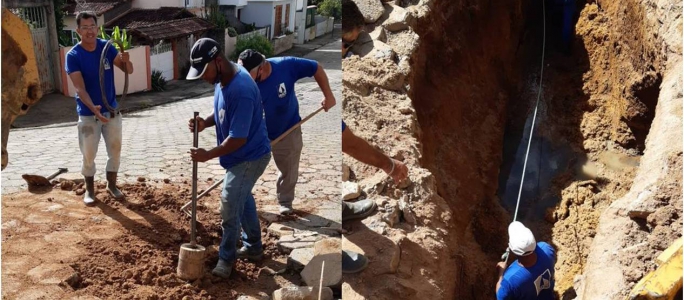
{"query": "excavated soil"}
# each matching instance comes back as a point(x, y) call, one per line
point(464, 132)
point(122, 249)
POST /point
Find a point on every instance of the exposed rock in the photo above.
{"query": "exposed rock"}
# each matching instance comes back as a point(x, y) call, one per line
point(302, 293)
point(372, 10)
point(350, 190)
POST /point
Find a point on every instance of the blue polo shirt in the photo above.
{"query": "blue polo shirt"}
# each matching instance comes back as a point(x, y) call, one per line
point(238, 113)
point(79, 59)
point(536, 282)
point(277, 92)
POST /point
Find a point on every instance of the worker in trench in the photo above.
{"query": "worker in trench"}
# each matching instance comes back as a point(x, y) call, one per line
point(243, 149)
point(276, 78)
point(94, 119)
point(352, 26)
point(362, 151)
point(531, 275)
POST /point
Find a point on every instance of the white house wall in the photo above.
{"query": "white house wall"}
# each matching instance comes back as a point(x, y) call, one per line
point(259, 13)
point(238, 3)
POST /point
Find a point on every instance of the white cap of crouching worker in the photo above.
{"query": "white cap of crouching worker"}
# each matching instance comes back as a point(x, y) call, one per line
point(520, 239)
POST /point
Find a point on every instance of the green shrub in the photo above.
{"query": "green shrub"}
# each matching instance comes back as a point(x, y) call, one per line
point(256, 42)
point(331, 8)
point(232, 32)
point(118, 35)
point(216, 17)
point(158, 81)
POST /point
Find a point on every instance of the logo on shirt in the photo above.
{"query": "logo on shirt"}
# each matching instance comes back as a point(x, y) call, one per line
point(543, 282)
point(282, 92)
point(106, 64)
point(222, 115)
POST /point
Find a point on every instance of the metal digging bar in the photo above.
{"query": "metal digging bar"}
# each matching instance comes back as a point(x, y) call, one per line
point(184, 208)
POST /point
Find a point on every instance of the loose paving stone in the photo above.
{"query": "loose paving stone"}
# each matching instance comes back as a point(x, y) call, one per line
point(332, 272)
point(298, 240)
point(302, 293)
point(299, 258)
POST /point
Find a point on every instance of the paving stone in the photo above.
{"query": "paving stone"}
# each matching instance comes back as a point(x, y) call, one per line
point(299, 258)
point(298, 240)
point(372, 10)
point(280, 230)
point(302, 293)
point(332, 272)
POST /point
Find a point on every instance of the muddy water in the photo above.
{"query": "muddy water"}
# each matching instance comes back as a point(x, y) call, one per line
point(548, 158)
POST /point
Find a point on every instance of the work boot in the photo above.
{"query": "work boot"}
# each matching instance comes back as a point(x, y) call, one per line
point(358, 209)
point(353, 262)
point(89, 196)
point(111, 186)
point(222, 269)
point(251, 255)
point(286, 209)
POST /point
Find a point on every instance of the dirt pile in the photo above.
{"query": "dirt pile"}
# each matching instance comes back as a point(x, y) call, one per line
point(451, 93)
point(122, 250)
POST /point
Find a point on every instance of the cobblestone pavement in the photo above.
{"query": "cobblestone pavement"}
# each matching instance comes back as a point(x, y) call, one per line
point(156, 142)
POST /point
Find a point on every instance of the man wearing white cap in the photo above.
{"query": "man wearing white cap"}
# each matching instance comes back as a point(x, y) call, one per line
point(531, 275)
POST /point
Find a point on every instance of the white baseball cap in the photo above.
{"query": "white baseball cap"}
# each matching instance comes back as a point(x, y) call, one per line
point(520, 239)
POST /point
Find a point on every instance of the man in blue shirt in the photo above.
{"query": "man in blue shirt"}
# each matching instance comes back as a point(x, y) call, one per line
point(531, 275)
point(276, 78)
point(243, 149)
point(94, 120)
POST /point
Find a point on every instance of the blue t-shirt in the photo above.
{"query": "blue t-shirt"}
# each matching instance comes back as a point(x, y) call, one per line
point(344, 126)
point(536, 282)
point(278, 95)
point(238, 113)
point(79, 59)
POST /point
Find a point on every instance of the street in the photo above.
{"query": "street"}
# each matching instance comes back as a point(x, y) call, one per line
point(156, 142)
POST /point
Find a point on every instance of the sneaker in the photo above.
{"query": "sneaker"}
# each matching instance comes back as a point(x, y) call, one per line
point(222, 269)
point(353, 262)
point(285, 209)
point(358, 209)
point(251, 255)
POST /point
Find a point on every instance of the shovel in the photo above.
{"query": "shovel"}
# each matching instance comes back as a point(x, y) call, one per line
point(37, 180)
point(184, 208)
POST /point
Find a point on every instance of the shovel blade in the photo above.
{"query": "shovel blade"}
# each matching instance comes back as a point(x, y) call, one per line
point(35, 180)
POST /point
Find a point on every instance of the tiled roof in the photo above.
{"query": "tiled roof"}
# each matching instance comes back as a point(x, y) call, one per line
point(148, 17)
point(98, 6)
point(172, 29)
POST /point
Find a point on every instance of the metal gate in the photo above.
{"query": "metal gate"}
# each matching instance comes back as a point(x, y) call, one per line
point(36, 18)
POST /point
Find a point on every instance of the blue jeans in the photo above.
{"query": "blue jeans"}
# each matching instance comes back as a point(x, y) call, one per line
point(238, 208)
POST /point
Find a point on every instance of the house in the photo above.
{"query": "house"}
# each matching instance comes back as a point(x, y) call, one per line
point(165, 29)
point(278, 14)
point(106, 10)
point(169, 27)
point(194, 6)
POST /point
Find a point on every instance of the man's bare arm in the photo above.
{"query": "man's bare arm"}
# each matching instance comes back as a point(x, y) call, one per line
point(120, 64)
point(324, 84)
point(79, 84)
point(362, 151)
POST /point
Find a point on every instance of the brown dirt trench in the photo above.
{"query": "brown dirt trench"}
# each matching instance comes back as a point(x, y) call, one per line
point(590, 133)
point(473, 82)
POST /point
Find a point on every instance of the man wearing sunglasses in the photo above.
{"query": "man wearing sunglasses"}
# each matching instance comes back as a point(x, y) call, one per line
point(352, 26)
point(94, 120)
point(276, 78)
point(531, 275)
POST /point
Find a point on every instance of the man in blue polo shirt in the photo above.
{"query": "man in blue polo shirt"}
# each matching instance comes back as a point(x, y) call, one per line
point(276, 78)
point(531, 275)
point(243, 149)
point(94, 119)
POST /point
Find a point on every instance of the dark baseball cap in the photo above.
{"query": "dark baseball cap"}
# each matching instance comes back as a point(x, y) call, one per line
point(251, 59)
point(203, 52)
